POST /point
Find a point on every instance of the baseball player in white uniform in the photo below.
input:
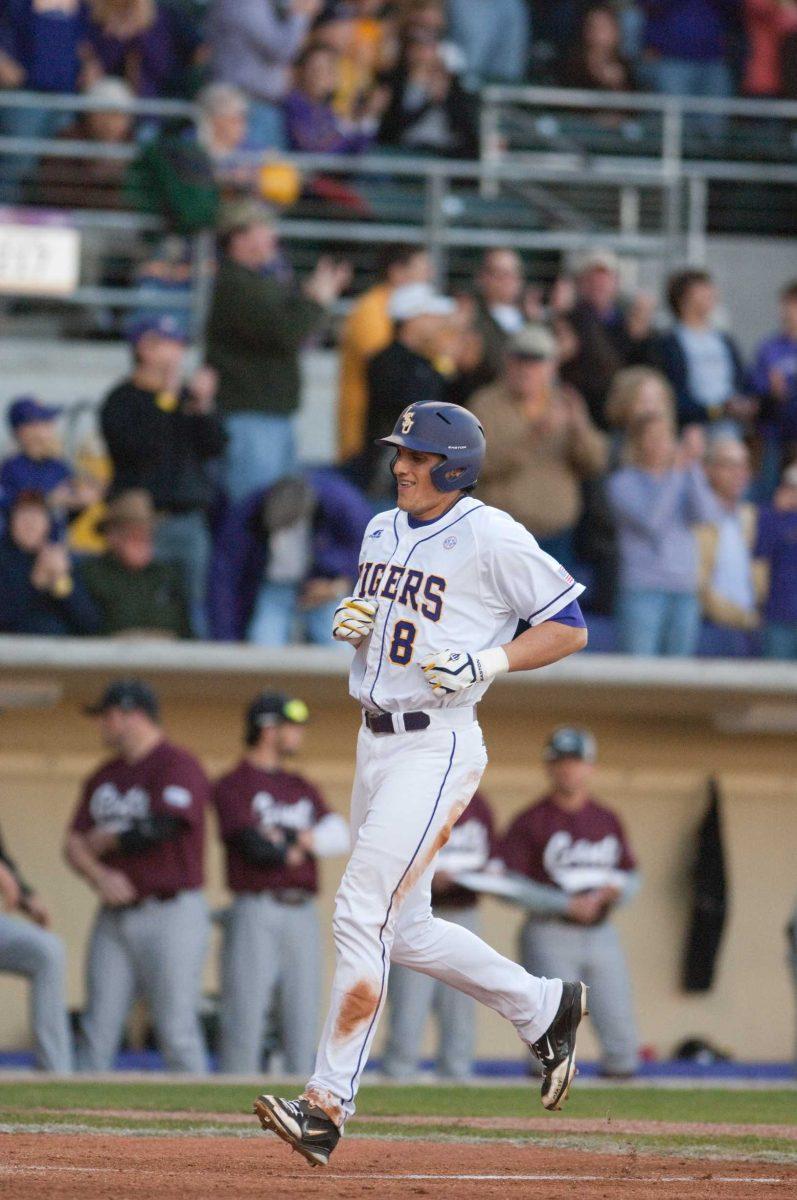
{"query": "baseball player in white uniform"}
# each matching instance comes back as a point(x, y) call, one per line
point(443, 582)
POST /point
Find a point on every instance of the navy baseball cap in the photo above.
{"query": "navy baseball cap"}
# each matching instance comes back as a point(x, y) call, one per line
point(166, 325)
point(568, 742)
point(27, 409)
point(131, 695)
point(273, 708)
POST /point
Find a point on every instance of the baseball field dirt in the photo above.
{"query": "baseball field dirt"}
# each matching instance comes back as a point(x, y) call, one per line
point(166, 1141)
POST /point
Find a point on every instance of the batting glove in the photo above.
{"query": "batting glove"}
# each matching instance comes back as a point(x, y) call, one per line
point(450, 671)
point(354, 619)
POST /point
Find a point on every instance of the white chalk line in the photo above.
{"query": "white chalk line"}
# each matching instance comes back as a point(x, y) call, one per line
point(752, 1180)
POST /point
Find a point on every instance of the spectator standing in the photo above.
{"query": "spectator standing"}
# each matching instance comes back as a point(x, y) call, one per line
point(541, 443)
point(275, 825)
point(494, 36)
point(136, 595)
point(730, 586)
point(253, 44)
point(576, 854)
point(30, 949)
point(498, 314)
point(311, 122)
point(137, 838)
point(40, 51)
point(686, 46)
point(638, 392)
point(282, 556)
point(162, 436)
point(776, 548)
point(403, 374)
point(412, 996)
point(140, 41)
point(612, 332)
point(768, 24)
point(257, 324)
point(657, 500)
point(368, 328)
point(42, 591)
point(773, 380)
point(703, 364)
point(428, 111)
point(597, 62)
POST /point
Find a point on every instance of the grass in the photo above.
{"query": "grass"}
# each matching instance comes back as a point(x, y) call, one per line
point(775, 1106)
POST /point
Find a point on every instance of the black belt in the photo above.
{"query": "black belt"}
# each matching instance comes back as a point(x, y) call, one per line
point(387, 722)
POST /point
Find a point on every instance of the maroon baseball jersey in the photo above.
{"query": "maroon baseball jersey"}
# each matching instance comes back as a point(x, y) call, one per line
point(470, 848)
point(169, 780)
point(251, 798)
point(571, 851)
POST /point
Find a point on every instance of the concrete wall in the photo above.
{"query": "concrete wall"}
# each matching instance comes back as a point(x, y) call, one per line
point(653, 770)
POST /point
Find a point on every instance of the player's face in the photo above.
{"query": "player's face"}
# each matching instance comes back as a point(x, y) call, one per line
point(570, 776)
point(416, 494)
point(289, 739)
point(114, 723)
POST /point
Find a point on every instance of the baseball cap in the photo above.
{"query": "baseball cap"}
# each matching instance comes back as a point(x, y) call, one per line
point(27, 409)
point(790, 476)
point(597, 260)
point(568, 742)
point(166, 325)
point(111, 90)
point(533, 341)
point(131, 695)
point(133, 507)
point(273, 708)
point(236, 215)
point(418, 300)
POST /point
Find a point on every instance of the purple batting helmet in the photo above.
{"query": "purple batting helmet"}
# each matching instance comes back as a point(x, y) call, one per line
point(433, 427)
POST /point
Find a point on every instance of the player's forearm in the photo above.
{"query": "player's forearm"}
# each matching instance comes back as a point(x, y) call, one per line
point(544, 644)
point(81, 859)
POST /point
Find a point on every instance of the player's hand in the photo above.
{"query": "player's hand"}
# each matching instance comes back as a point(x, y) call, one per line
point(115, 889)
point(37, 911)
point(585, 908)
point(354, 620)
point(10, 892)
point(450, 671)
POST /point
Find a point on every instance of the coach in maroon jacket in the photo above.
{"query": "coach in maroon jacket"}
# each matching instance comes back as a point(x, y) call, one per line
point(576, 857)
point(137, 838)
point(274, 825)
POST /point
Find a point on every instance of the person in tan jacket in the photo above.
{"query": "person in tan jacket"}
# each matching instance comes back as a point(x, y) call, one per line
point(731, 583)
point(541, 443)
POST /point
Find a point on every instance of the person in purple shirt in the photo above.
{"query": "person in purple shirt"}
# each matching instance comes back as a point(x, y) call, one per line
point(37, 467)
point(311, 121)
point(144, 44)
point(686, 47)
point(283, 555)
point(657, 500)
point(773, 379)
point(776, 546)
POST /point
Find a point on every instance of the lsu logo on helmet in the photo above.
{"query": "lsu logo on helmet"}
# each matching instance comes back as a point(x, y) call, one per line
point(407, 421)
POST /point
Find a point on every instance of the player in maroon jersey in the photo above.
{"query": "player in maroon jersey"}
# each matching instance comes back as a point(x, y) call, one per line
point(575, 853)
point(274, 825)
point(137, 838)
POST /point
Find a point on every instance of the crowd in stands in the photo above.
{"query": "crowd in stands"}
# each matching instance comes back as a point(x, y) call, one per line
point(654, 462)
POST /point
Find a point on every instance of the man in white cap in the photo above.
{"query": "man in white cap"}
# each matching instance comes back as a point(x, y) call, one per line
point(406, 371)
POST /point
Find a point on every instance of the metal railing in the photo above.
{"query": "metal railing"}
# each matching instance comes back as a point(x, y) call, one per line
point(550, 183)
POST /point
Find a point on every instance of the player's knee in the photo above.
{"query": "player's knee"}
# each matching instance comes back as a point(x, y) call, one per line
point(46, 954)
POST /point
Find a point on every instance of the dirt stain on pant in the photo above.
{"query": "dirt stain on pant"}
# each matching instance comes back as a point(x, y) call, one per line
point(357, 1008)
point(329, 1104)
point(441, 838)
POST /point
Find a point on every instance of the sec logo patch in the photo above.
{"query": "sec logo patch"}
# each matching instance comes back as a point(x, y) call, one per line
point(449, 543)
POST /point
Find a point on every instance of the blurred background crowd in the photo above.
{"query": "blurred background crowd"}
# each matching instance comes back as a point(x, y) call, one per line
point(626, 430)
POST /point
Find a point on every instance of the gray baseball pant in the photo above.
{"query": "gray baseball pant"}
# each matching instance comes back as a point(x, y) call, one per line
point(40, 957)
point(266, 944)
point(592, 953)
point(792, 936)
point(155, 949)
point(412, 997)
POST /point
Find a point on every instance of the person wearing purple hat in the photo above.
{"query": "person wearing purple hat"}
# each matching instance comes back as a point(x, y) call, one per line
point(38, 466)
point(162, 435)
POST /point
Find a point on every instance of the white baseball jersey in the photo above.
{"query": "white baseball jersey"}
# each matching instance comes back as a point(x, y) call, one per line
point(459, 582)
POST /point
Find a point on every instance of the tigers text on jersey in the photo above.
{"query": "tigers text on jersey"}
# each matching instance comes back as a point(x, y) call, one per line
point(459, 582)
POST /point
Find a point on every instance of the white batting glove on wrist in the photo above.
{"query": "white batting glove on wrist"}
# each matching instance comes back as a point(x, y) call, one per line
point(450, 671)
point(354, 619)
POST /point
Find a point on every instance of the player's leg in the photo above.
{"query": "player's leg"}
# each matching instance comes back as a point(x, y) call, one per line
point(549, 946)
point(611, 1001)
point(171, 942)
point(39, 956)
point(409, 1003)
point(250, 964)
point(110, 987)
point(456, 1014)
point(300, 986)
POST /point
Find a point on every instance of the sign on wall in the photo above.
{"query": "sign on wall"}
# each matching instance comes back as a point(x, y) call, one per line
point(38, 257)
